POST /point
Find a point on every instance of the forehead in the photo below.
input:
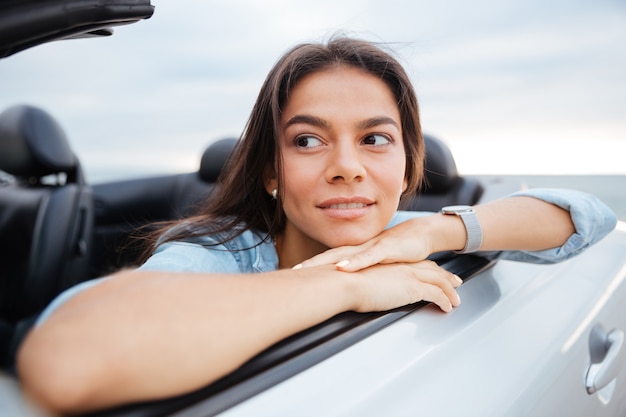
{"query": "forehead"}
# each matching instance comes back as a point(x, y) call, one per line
point(341, 91)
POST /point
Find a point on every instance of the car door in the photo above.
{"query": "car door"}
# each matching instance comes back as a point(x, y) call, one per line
point(519, 345)
point(586, 375)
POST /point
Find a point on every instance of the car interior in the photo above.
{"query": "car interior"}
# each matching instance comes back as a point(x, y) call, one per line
point(46, 206)
point(46, 218)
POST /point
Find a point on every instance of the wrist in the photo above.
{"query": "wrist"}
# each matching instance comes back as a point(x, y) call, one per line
point(445, 233)
point(471, 225)
point(337, 290)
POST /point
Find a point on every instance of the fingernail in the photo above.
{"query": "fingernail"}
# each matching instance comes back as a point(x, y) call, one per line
point(299, 266)
point(458, 279)
point(343, 263)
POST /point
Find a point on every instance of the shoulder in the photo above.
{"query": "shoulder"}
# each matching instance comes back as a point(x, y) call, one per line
point(249, 251)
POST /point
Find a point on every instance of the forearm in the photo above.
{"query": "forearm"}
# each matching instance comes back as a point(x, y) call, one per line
point(149, 335)
point(514, 223)
point(523, 223)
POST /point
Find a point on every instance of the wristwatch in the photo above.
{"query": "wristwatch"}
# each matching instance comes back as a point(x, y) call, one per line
point(472, 226)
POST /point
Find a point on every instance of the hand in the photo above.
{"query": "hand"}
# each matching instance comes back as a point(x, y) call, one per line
point(383, 287)
point(405, 242)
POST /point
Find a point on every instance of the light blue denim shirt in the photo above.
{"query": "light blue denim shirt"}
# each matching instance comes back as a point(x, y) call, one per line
point(250, 252)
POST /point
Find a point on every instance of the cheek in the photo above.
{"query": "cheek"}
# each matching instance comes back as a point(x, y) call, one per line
point(393, 176)
point(299, 180)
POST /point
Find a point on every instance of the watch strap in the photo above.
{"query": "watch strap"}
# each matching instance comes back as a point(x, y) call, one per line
point(473, 229)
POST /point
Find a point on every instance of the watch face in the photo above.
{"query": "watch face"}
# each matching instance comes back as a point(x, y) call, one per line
point(456, 209)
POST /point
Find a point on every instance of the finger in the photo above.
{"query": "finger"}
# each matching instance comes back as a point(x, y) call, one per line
point(321, 259)
point(362, 260)
point(445, 294)
point(330, 257)
point(435, 295)
point(454, 279)
point(379, 251)
point(430, 273)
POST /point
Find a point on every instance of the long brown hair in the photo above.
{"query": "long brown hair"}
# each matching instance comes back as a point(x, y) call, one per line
point(240, 200)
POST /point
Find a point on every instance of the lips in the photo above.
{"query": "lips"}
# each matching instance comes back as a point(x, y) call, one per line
point(347, 208)
point(343, 206)
point(346, 203)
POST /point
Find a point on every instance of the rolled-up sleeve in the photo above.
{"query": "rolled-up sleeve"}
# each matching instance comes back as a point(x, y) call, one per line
point(592, 221)
point(591, 217)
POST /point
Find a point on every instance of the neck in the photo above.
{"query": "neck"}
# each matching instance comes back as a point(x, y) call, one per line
point(294, 247)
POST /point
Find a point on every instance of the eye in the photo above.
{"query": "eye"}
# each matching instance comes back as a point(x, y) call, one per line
point(376, 140)
point(307, 142)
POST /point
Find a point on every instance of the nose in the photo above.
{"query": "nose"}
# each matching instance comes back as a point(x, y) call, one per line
point(345, 164)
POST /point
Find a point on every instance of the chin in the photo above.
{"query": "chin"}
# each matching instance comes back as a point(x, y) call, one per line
point(348, 239)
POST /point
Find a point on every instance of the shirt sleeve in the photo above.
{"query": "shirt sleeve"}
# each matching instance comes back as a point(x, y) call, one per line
point(192, 257)
point(592, 219)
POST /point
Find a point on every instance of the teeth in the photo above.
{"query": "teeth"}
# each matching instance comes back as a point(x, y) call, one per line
point(344, 206)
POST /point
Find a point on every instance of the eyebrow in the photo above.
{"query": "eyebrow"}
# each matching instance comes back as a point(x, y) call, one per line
point(377, 121)
point(306, 119)
point(319, 122)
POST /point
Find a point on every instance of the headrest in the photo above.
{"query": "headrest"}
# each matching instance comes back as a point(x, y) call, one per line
point(214, 159)
point(33, 144)
point(440, 168)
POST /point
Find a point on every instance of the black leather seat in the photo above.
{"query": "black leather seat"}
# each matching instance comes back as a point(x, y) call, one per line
point(46, 216)
point(122, 207)
point(443, 186)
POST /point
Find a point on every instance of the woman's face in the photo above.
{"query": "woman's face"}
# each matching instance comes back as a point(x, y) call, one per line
point(343, 158)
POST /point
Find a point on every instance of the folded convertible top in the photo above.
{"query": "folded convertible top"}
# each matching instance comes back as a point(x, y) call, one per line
point(27, 23)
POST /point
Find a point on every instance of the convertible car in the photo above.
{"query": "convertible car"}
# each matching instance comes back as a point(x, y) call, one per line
point(528, 340)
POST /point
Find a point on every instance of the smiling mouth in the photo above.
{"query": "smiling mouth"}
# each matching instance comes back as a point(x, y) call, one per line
point(344, 206)
point(347, 208)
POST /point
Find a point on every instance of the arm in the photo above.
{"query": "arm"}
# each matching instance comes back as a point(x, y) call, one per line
point(145, 335)
point(514, 223)
point(539, 225)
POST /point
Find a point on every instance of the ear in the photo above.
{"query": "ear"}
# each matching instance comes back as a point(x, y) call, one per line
point(405, 184)
point(270, 179)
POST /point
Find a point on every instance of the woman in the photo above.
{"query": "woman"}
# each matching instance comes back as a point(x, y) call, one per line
point(304, 226)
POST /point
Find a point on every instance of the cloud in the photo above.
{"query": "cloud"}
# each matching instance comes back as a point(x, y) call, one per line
point(515, 71)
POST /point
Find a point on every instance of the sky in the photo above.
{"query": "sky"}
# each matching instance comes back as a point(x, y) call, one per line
point(513, 87)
